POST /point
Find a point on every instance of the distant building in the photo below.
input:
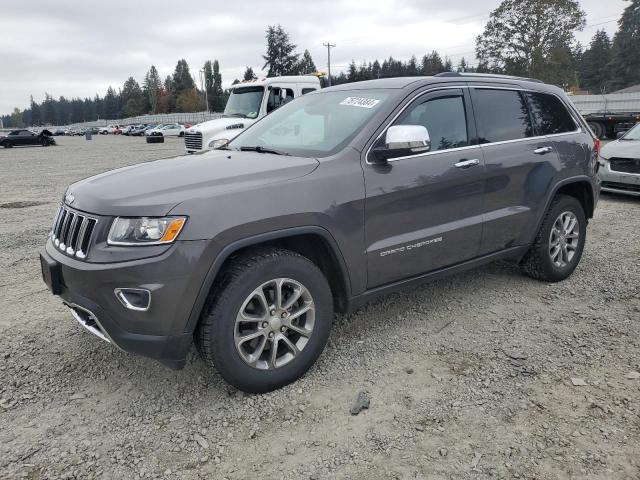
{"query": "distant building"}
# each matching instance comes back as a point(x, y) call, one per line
point(631, 89)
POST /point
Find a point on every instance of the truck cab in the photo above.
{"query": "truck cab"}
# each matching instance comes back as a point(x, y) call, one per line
point(249, 101)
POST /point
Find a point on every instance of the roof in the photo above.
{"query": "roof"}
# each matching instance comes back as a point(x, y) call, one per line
point(631, 89)
point(310, 79)
point(403, 82)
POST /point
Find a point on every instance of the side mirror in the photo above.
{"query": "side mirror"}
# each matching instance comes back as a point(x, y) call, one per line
point(619, 135)
point(401, 141)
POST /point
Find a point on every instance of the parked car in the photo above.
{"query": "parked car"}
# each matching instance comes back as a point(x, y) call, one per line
point(23, 137)
point(58, 131)
point(109, 129)
point(249, 101)
point(167, 130)
point(620, 164)
point(139, 130)
point(335, 198)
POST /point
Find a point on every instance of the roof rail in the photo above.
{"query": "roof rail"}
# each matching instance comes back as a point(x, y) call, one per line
point(486, 75)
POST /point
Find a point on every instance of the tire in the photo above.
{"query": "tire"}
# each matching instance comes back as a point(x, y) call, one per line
point(181, 134)
point(7, 144)
point(597, 128)
point(219, 327)
point(538, 262)
point(44, 142)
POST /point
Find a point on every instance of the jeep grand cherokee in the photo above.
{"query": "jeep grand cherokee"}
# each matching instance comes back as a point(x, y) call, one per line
point(336, 197)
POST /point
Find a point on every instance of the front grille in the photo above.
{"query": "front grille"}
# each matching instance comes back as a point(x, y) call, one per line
point(621, 186)
point(193, 141)
point(625, 165)
point(72, 232)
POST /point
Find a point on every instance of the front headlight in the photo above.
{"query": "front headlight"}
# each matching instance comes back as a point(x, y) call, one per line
point(145, 230)
point(219, 143)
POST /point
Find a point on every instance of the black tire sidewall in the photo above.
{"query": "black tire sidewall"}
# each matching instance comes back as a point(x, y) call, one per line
point(553, 272)
point(224, 353)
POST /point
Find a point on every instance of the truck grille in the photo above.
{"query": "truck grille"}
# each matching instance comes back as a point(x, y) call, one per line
point(625, 165)
point(72, 232)
point(193, 141)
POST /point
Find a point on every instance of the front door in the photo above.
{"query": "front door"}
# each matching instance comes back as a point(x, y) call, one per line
point(424, 212)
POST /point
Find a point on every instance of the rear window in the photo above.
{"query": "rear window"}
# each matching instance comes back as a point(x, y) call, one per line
point(550, 116)
point(502, 115)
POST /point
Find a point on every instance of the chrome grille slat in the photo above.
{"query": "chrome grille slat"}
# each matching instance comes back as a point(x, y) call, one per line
point(72, 232)
point(193, 141)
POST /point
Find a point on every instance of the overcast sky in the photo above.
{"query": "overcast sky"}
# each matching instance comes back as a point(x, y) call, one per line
point(78, 48)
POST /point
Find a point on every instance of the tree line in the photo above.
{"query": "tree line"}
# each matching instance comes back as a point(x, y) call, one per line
point(533, 38)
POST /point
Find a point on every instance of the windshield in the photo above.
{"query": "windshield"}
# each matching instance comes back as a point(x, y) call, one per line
point(315, 125)
point(244, 102)
point(633, 134)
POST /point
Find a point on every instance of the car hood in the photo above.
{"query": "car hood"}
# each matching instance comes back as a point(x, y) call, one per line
point(621, 148)
point(220, 124)
point(154, 188)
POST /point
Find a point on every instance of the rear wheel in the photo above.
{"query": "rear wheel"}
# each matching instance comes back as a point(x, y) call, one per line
point(268, 320)
point(558, 246)
point(598, 129)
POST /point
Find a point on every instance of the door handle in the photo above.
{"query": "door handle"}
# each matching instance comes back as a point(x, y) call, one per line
point(467, 163)
point(542, 150)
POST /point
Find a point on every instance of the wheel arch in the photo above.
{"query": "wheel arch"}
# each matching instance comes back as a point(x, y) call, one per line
point(314, 242)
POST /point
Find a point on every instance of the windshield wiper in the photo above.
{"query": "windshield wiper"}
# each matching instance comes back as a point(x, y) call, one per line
point(260, 149)
point(238, 114)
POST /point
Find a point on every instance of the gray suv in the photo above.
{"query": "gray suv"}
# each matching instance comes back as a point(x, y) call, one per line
point(337, 197)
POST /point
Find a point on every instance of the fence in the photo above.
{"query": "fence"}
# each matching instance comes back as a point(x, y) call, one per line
point(611, 102)
point(193, 118)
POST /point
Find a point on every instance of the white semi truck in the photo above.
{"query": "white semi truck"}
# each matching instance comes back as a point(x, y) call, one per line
point(248, 102)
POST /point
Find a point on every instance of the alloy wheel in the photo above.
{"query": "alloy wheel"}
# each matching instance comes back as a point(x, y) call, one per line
point(274, 324)
point(564, 239)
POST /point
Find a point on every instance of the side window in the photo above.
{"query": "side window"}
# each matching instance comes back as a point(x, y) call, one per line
point(550, 116)
point(444, 118)
point(502, 115)
point(278, 97)
point(307, 90)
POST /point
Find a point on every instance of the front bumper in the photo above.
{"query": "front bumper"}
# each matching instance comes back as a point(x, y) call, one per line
point(618, 182)
point(174, 279)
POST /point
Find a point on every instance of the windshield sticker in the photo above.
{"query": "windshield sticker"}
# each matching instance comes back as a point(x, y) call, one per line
point(360, 102)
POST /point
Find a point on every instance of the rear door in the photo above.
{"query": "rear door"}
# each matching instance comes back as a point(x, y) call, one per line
point(520, 166)
point(424, 212)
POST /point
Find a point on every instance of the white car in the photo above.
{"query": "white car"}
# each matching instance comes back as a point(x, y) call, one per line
point(168, 130)
point(108, 129)
point(619, 169)
point(248, 102)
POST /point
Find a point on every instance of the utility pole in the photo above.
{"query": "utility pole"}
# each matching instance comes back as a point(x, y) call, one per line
point(329, 47)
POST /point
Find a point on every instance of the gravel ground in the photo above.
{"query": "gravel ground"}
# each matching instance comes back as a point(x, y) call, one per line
point(487, 374)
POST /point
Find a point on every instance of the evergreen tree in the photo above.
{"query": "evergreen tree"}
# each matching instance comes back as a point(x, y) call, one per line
point(625, 65)
point(219, 99)
point(448, 65)
point(432, 64)
point(375, 69)
point(152, 87)
point(133, 102)
point(462, 66)
point(249, 75)
point(189, 101)
point(279, 58)
point(412, 69)
point(208, 84)
point(111, 107)
point(594, 74)
point(182, 79)
point(306, 65)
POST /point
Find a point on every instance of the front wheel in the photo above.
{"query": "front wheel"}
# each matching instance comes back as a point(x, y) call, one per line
point(558, 246)
point(268, 321)
point(7, 144)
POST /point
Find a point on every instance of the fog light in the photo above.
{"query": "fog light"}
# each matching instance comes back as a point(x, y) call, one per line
point(138, 299)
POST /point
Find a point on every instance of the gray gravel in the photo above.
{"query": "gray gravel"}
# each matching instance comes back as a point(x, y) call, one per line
point(470, 377)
